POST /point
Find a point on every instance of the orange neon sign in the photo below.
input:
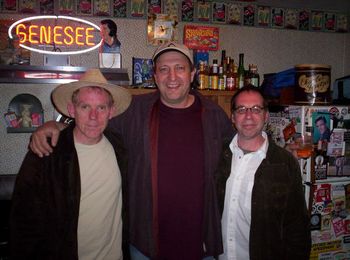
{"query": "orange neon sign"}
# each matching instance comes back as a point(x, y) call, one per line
point(33, 35)
point(60, 35)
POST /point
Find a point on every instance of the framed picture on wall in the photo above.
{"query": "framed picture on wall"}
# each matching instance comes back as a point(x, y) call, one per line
point(66, 7)
point(316, 20)
point(187, 11)
point(137, 8)
point(277, 17)
point(171, 7)
point(249, 15)
point(264, 16)
point(329, 22)
point(119, 8)
point(218, 12)
point(84, 7)
point(142, 72)
point(47, 7)
point(9, 6)
point(304, 20)
point(342, 23)
point(203, 11)
point(101, 8)
point(291, 18)
point(234, 13)
point(27, 7)
point(154, 6)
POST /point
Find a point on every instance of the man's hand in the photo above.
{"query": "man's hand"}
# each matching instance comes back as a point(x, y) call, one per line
point(39, 143)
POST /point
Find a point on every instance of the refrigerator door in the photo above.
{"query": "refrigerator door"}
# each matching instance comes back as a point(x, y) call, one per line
point(326, 174)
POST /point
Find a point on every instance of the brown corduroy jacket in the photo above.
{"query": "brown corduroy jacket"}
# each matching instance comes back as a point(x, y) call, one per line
point(279, 218)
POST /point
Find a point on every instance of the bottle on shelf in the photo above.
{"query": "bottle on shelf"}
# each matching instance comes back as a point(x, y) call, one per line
point(241, 71)
point(223, 58)
point(226, 64)
point(231, 78)
point(214, 76)
point(235, 74)
point(222, 79)
point(253, 77)
point(203, 77)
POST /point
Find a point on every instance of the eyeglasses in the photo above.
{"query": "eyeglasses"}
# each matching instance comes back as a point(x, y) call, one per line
point(254, 110)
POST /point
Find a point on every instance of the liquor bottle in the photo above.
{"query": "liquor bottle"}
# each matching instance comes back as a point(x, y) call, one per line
point(241, 71)
point(214, 76)
point(226, 65)
point(253, 75)
point(231, 77)
point(223, 58)
point(203, 77)
point(222, 79)
point(235, 74)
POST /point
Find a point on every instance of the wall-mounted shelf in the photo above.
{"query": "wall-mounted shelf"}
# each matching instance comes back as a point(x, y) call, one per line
point(55, 74)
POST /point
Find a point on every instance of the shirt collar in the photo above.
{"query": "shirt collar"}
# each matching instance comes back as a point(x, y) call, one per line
point(261, 151)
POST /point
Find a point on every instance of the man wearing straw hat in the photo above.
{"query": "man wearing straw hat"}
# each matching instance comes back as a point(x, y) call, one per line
point(68, 205)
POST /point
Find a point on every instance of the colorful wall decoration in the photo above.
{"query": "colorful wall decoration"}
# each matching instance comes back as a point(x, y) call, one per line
point(242, 13)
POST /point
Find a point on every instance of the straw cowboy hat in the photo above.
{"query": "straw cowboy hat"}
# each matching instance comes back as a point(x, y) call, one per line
point(62, 94)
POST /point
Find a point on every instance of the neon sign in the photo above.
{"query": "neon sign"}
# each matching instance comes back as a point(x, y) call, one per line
point(82, 37)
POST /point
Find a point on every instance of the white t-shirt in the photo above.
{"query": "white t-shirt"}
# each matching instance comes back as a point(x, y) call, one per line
point(100, 223)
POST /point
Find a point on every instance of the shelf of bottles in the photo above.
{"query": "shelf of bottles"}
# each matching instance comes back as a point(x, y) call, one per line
point(227, 75)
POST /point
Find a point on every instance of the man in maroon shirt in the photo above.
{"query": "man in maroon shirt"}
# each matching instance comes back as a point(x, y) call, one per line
point(174, 138)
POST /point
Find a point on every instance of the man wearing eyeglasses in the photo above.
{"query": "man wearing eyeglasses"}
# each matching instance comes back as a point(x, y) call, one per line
point(264, 215)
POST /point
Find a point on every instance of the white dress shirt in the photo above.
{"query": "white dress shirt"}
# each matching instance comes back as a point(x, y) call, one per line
point(236, 217)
